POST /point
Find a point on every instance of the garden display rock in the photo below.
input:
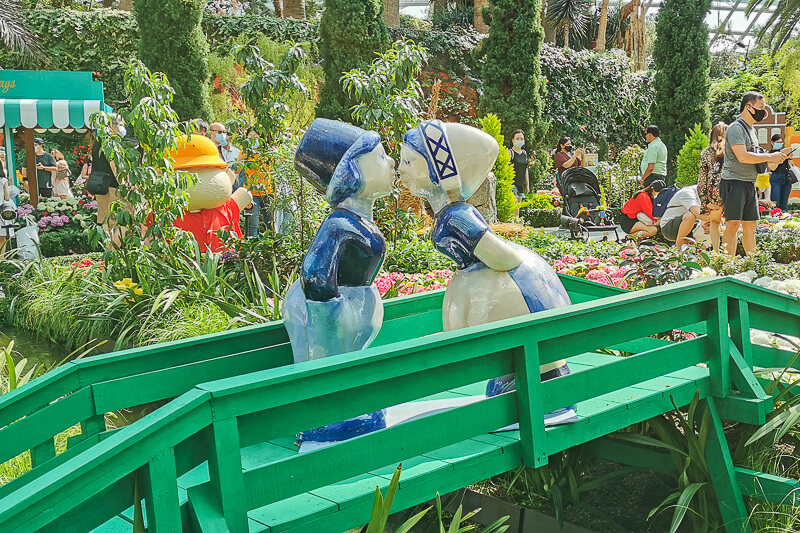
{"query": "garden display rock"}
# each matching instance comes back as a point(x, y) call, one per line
point(485, 200)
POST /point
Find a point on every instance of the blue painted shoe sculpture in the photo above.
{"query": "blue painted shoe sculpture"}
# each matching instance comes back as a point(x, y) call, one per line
point(445, 163)
point(335, 307)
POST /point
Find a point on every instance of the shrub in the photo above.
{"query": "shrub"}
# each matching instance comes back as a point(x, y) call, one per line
point(512, 86)
point(541, 217)
point(682, 64)
point(595, 98)
point(689, 156)
point(539, 201)
point(621, 179)
point(503, 170)
point(57, 243)
point(351, 31)
point(171, 41)
point(102, 41)
point(542, 172)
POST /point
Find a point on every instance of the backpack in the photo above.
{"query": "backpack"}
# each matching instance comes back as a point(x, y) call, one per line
point(661, 201)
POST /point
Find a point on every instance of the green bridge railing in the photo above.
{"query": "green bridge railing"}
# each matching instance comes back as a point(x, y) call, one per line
point(236, 392)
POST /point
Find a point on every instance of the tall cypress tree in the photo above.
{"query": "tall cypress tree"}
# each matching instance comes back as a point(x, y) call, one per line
point(351, 32)
point(682, 80)
point(171, 41)
point(512, 81)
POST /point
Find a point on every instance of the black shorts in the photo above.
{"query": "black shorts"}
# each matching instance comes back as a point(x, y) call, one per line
point(626, 223)
point(739, 200)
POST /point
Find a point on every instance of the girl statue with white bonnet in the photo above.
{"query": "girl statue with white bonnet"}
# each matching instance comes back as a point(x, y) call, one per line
point(335, 306)
point(445, 163)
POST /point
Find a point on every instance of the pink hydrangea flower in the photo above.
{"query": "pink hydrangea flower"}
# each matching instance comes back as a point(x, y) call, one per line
point(558, 264)
point(591, 260)
point(570, 259)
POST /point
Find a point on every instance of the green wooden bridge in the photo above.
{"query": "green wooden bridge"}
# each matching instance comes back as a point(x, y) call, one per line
point(218, 455)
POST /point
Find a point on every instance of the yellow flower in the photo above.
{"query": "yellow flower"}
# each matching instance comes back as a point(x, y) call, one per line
point(138, 291)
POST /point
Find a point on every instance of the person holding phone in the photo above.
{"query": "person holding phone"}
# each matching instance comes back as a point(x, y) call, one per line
point(744, 160)
point(778, 179)
point(564, 159)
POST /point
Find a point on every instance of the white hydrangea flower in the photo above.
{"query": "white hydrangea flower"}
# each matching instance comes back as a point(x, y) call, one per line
point(705, 272)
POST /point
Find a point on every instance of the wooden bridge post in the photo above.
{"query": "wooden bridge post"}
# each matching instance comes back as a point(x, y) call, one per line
point(740, 328)
point(723, 475)
point(225, 472)
point(529, 405)
point(161, 494)
point(719, 362)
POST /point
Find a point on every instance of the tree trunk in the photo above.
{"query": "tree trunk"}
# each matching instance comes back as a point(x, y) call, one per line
point(391, 13)
point(295, 9)
point(480, 24)
point(278, 8)
point(126, 5)
point(566, 34)
point(549, 29)
point(437, 6)
point(601, 31)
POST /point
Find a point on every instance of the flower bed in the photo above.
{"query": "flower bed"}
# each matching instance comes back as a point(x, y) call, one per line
point(64, 224)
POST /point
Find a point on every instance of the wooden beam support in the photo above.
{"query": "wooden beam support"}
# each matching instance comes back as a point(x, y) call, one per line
point(161, 494)
point(30, 167)
point(720, 467)
point(225, 472)
point(530, 405)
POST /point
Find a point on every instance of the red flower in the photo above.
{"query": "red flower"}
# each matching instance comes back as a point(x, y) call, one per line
point(761, 208)
point(776, 212)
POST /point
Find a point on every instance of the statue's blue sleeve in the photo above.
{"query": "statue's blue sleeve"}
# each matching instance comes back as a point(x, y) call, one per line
point(320, 268)
point(457, 232)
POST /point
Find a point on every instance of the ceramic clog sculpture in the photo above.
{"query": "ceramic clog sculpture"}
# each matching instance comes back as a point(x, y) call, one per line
point(335, 307)
point(445, 163)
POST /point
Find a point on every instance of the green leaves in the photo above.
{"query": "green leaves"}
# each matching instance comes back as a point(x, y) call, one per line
point(387, 94)
point(268, 89)
point(503, 170)
point(689, 156)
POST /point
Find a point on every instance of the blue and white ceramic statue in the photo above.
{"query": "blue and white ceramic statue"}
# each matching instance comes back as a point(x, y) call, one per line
point(335, 307)
point(445, 163)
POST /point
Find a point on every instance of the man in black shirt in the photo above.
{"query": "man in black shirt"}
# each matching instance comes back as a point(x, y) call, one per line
point(45, 166)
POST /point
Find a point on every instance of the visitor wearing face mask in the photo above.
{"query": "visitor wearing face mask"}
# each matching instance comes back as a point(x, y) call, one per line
point(519, 158)
point(564, 159)
point(779, 186)
point(654, 160)
point(45, 166)
point(744, 161)
point(228, 152)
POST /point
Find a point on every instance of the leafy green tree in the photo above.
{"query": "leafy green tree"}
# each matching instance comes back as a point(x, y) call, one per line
point(682, 65)
point(146, 177)
point(512, 81)
point(689, 156)
point(351, 32)
point(171, 41)
point(387, 92)
point(268, 90)
point(503, 170)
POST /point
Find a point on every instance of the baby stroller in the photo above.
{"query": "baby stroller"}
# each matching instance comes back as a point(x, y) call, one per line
point(583, 213)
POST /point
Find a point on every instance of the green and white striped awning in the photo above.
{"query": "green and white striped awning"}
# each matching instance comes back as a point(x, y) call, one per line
point(49, 100)
point(47, 114)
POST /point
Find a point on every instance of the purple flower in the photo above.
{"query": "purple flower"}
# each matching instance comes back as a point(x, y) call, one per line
point(64, 219)
point(42, 223)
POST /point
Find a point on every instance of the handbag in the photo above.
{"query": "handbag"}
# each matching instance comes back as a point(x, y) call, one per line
point(793, 176)
point(98, 182)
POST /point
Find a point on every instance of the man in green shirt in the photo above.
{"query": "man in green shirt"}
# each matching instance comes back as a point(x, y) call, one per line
point(654, 162)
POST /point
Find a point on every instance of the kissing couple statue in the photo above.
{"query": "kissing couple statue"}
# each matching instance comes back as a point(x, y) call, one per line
point(335, 306)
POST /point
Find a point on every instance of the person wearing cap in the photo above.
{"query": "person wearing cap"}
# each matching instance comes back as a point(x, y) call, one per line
point(637, 213)
point(45, 166)
point(335, 307)
point(445, 163)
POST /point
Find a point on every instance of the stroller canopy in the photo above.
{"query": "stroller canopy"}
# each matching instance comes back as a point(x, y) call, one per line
point(580, 181)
